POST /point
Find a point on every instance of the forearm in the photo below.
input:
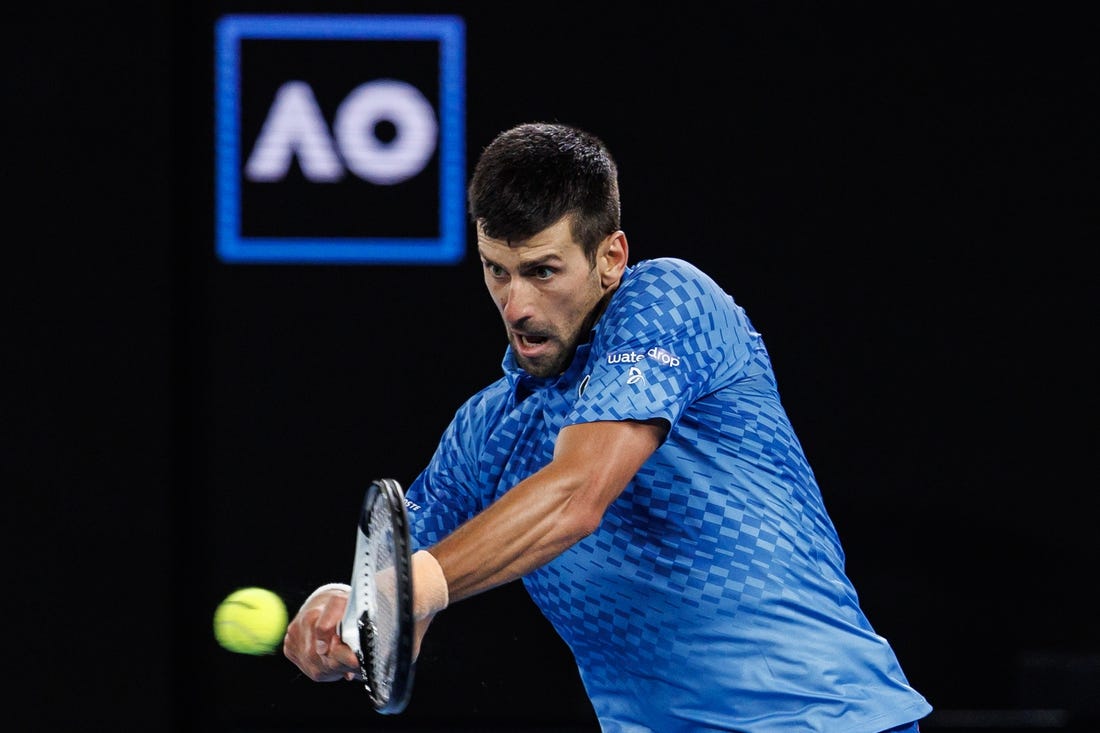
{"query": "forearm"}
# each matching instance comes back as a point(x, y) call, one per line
point(534, 522)
point(548, 512)
point(529, 526)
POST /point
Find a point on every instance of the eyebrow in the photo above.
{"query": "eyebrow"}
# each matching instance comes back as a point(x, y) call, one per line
point(526, 265)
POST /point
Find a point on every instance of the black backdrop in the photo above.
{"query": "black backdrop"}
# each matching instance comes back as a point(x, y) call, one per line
point(904, 199)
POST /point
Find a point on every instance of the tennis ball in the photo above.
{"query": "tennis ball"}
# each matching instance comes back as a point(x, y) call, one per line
point(250, 621)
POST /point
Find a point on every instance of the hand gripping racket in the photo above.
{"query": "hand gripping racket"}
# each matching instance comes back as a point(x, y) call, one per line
point(378, 622)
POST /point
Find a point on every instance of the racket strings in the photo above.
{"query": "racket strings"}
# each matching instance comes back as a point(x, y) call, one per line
point(382, 632)
point(378, 621)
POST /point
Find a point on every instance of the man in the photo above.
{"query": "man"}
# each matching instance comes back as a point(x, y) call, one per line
point(636, 468)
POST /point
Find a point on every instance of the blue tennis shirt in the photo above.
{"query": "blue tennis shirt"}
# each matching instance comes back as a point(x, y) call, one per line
point(713, 596)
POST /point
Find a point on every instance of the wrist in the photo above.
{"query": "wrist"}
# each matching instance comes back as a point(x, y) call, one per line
point(430, 593)
point(324, 589)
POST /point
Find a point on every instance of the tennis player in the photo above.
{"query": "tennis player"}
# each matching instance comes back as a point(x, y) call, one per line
point(635, 467)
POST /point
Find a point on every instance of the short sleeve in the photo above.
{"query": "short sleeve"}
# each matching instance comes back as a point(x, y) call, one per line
point(444, 495)
point(669, 336)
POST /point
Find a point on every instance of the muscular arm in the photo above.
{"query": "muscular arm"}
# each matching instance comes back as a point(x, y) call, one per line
point(546, 513)
point(534, 522)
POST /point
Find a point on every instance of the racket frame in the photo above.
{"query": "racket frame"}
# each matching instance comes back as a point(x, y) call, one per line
point(389, 492)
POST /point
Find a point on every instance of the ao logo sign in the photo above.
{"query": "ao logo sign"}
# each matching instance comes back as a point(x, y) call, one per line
point(340, 139)
point(296, 127)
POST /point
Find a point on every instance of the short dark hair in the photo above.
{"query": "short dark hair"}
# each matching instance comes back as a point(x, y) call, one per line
point(532, 175)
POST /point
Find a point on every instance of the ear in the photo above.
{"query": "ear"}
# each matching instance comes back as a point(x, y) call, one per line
point(612, 258)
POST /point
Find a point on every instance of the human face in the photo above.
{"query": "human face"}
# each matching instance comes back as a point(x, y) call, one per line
point(548, 293)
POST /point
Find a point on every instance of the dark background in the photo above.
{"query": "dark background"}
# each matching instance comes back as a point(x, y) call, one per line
point(902, 195)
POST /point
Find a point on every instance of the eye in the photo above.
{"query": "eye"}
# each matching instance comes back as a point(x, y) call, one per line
point(494, 270)
point(543, 272)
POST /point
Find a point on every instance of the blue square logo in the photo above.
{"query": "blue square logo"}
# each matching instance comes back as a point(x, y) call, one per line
point(340, 139)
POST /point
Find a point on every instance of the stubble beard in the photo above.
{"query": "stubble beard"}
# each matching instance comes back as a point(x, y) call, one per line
point(554, 364)
point(549, 366)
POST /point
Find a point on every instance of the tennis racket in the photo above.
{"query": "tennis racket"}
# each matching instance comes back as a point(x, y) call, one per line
point(378, 622)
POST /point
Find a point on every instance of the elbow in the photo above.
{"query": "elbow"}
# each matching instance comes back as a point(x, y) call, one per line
point(579, 521)
point(586, 525)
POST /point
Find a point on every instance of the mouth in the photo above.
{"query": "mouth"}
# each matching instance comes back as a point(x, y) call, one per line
point(529, 345)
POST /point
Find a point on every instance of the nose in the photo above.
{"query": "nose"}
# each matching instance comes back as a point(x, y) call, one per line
point(517, 301)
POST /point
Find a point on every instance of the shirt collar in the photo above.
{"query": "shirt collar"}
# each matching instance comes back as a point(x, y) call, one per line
point(521, 381)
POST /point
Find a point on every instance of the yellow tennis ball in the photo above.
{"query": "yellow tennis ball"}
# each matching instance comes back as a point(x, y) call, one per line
point(250, 621)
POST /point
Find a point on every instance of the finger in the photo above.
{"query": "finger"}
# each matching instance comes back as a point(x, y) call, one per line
point(298, 641)
point(341, 655)
point(338, 662)
point(332, 613)
point(305, 646)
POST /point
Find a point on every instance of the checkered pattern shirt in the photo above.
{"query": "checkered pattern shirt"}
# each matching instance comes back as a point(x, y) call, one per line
point(713, 595)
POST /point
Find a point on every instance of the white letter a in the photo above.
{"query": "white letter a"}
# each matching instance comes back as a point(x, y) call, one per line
point(294, 125)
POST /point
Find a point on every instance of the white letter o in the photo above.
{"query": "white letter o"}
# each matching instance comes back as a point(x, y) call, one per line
point(411, 115)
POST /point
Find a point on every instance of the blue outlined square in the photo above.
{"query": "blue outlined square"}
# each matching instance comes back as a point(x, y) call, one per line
point(444, 244)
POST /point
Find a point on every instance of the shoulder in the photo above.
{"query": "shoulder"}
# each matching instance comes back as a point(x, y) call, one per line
point(667, 279)
point(664, 272)
point(666, 266)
